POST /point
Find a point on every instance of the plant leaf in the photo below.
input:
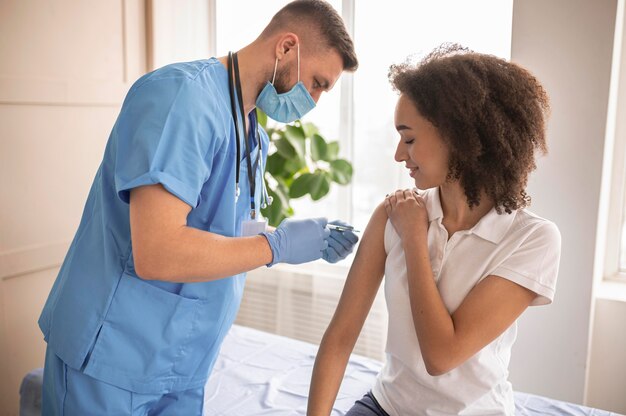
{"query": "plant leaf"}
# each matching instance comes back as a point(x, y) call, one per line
point(283, 194)
point(309, 129)
point(275, 164)
point(285, 148)
point(280, 207)
point(301, 185)
point(341, 171)
point(274, 211)
point(261, 117)
point(319, 186)
point(295, 132)
point(293, 166)
point(332, 151)
point(295, 135)
point(318, 147)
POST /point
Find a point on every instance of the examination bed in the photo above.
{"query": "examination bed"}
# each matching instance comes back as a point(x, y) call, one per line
point(259, 373)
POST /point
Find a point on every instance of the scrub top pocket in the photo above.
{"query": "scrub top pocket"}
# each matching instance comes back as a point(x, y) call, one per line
point(143, 337)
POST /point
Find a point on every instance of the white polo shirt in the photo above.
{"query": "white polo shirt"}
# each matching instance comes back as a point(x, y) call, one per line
point(520, 247)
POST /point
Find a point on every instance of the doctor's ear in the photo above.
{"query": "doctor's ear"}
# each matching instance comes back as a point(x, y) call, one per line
point(286, 43)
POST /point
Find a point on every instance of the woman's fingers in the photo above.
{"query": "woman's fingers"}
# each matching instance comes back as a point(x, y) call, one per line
point(400, 195)
point(388, 206)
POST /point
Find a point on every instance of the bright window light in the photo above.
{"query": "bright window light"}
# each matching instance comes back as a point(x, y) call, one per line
point(384, 33)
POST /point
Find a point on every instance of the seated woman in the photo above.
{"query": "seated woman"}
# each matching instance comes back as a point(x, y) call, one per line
point(463, 257)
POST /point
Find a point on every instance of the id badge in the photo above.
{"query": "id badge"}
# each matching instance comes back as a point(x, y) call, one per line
point(252, 227)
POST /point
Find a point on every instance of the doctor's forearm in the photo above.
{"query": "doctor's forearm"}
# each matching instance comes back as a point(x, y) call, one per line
point(192, 255)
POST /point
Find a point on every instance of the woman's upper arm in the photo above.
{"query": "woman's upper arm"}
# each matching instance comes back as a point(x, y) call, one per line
point(487, 311)
point(528, 276)
point(363, 280)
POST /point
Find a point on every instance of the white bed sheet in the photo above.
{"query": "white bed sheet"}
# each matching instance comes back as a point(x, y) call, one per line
point(259, 373)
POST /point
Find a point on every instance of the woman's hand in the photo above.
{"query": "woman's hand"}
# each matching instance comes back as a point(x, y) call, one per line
point(408, 215)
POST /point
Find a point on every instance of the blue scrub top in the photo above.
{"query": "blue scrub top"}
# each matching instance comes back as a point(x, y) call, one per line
point(175, 128)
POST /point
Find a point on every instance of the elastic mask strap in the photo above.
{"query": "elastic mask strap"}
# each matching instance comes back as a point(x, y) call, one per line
point(275, 66)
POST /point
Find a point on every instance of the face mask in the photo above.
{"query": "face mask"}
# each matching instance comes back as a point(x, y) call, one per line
point(289, 106)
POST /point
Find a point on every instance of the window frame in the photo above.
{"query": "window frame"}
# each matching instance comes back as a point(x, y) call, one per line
point(612, 215)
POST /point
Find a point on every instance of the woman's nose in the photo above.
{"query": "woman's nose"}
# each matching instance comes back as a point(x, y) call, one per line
point(400, 155)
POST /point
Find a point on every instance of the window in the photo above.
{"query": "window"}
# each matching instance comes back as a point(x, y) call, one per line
point(386, 35)
point(382, 35)
point(613, 193)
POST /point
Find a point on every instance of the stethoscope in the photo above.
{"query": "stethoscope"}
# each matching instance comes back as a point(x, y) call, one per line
point(233, 63)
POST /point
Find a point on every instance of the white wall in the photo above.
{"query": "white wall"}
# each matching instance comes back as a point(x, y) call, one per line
point(567, 44)
point(607, 366)
point(607, 372)
point(65, 67)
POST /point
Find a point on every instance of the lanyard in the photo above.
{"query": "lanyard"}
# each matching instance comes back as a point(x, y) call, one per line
point(233, 63)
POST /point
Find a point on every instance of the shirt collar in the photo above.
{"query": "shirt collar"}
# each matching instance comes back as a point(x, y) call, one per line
point(433, 204)
point(492, 227)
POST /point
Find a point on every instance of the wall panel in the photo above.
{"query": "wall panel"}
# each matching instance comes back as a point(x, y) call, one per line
point(65, 68)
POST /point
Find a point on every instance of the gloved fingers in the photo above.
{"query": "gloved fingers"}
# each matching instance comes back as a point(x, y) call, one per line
point(338, 247)
point(352, 237)
point(339, 242)
point(348, 236)
point(322, 221)
point(298, 241)
point(331, 256)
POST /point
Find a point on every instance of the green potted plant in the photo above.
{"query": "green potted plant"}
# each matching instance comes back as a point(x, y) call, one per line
point(300, 162)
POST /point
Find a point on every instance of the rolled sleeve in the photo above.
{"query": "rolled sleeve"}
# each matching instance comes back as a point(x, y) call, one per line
point(173, 185)
point(535, 264)
point(165, 135)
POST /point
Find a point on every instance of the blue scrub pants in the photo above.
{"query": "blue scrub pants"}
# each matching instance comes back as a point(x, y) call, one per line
point(68, 392)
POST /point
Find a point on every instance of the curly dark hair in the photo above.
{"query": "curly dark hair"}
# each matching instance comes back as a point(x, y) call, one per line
point(491, 113)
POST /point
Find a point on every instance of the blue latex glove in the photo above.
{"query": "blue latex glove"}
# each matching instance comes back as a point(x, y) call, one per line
point(340, 243)
point(298, 241)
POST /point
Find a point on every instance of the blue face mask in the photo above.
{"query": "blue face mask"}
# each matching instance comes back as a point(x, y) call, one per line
point(289, 106)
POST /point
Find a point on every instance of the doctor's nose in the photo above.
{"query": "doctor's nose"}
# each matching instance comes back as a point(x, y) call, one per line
point(315, 94)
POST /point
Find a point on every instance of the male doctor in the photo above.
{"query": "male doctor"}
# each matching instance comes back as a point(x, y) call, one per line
point(153, 279)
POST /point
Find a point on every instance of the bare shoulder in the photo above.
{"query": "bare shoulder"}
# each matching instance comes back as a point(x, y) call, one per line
point(372, 245)
point(375, 230)
point(379, 217)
